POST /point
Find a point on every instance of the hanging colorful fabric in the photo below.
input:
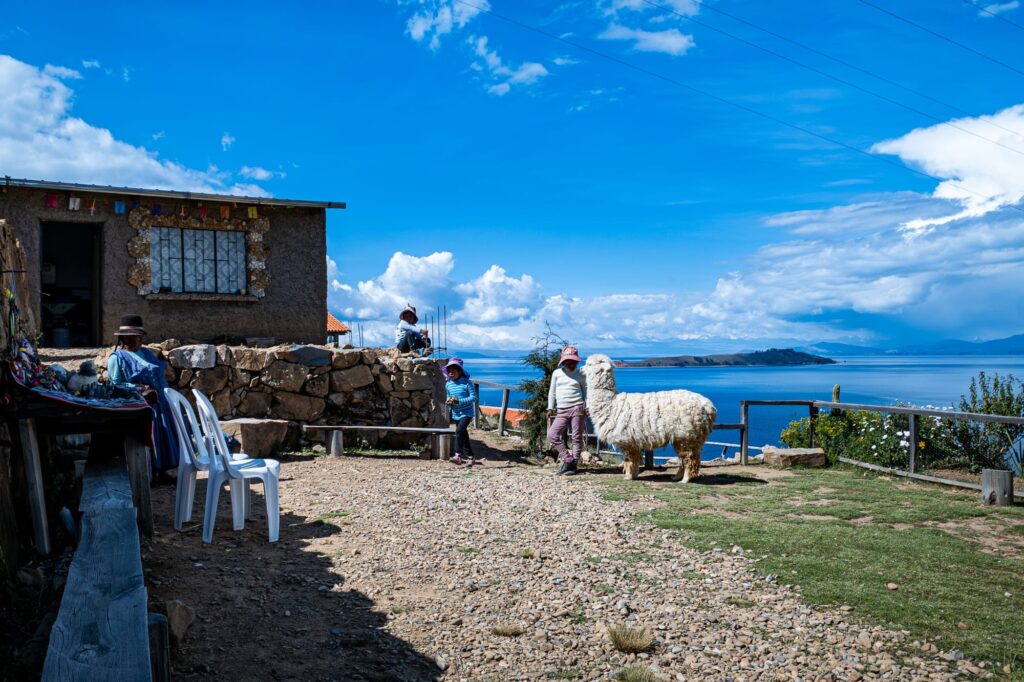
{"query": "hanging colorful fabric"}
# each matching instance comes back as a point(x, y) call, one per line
point(157, 210)
point(51, 201)
point(252, 212)
point(92, 207)
point(202, 212)
point(225, 212)
point(118, 207)
point(181, 211)
point(74, 203)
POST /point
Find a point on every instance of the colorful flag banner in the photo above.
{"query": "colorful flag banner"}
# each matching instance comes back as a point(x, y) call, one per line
point(225, 212)
point(252, 212)
point(92, 207)
point(51, 201)
point(118, 207)
point(202, 212)
point(74, 203)
point(181, 211)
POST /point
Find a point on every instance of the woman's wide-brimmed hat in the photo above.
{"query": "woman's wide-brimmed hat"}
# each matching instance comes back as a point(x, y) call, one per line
point(131, 325)
point(411, 311)
point(570, 353)
point(454, 362)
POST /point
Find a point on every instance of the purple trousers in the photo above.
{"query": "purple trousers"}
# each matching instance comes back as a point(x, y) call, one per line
point(566, 417)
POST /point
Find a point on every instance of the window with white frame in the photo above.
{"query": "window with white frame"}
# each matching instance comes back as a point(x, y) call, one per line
point(197, 261)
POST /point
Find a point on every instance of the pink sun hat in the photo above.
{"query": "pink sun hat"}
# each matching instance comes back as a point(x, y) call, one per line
point(569, 353)
point(454, 362)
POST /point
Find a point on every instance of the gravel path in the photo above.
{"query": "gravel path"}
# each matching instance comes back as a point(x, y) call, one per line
point(398, 569)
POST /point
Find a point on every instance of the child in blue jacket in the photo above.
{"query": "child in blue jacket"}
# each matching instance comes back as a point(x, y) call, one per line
point(462, 400)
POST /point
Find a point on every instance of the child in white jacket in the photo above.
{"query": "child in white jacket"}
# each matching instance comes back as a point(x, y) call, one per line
point(567, 403)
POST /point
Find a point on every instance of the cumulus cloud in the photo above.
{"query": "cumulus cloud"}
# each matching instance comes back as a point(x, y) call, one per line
point(526, 73)
point(226, 140)
point(40, 139)
point(61, 72)
point(91, 64)
point(669, 41)
point(260, 174)
point(998, 8)
point(438, 18)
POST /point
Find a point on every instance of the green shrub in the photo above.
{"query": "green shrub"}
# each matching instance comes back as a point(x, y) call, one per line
point(544, 357)
point(992, 446)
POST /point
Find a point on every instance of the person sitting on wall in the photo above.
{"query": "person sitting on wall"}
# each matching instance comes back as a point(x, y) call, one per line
point(132, 363)
point(408, 338)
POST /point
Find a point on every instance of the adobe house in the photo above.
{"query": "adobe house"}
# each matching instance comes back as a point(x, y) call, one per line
point(195, 266)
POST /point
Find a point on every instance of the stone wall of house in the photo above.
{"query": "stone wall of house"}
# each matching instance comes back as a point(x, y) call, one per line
point(290, 264)
point(312, 385)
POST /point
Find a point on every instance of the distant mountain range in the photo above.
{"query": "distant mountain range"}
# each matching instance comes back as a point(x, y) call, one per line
point(1012, 345)
point(776, 357)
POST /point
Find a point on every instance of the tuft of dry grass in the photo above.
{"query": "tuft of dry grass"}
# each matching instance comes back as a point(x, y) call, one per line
point(629, 639)
point(528, 553)
point(636, 673)
point(508, 630)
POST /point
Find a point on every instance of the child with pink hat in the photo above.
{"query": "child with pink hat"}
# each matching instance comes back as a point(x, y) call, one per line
point(567, 403)
point(461, 397)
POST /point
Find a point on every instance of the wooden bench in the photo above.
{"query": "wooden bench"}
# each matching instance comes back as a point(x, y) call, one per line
point(441, 441)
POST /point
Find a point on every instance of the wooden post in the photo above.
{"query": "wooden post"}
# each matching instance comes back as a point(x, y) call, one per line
point(8, 523)
point(503, 412)
point(137, 458)
point(648, 460)
point(744, 437)
point(336, 443)
point(813, 417)
point(443, 446)
point(912, 465)
point(476, 412)
point(159, 647)
point(34, 483)
point(996, 487)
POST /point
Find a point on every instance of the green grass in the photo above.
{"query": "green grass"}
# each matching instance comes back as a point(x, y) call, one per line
point(467, 550)
point(942, 580)
point(636, 673)
point(328, 517)
point(567, 674)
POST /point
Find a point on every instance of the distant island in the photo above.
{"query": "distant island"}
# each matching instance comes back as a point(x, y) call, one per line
point(774, 357)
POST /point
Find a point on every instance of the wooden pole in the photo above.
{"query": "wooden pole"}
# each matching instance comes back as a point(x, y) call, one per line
point(34, 483)
point(913, 444)
point(813, 417)
point(744, 436)
point(503, 412)
point(159, 647)
point(648, 460)
point(137, 458)
point(476, 413)
point(996, 487)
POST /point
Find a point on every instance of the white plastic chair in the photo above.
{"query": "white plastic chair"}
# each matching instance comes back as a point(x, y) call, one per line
point(194, 458)
point(235, 472)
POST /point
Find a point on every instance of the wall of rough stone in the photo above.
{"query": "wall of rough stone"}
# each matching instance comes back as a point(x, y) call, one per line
point(312, 385)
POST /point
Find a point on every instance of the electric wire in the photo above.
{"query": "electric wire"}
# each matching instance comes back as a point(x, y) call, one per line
point(849, 65)
point(997, 15)
point(718, 98)
point(837, 79)
point(941, 36)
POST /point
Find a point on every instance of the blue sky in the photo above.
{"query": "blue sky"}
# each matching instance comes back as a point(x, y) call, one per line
point(523, 181)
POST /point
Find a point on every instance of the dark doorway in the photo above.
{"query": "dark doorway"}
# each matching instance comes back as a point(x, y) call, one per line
point(70, 276)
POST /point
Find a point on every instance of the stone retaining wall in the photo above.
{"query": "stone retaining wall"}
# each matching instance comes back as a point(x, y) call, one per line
point(312, 385)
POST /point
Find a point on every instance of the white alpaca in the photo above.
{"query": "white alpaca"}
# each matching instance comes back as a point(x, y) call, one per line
point(646, 421)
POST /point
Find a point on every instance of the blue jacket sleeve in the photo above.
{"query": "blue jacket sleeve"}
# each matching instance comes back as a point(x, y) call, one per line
point(463, 402)
point(114, 370)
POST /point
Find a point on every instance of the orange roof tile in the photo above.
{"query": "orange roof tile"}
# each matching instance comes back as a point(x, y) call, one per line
point(336, 326)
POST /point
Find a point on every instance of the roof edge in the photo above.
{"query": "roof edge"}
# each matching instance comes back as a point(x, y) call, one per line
point(167, 194)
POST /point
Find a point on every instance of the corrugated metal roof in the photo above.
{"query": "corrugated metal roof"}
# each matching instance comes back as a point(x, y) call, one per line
point(168, 194)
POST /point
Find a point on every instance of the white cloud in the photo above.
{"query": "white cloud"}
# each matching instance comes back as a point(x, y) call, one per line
point(159, 135)
point(526, 73)
point(494, 297)
point(982, 177)
point(91, 64)
point(565, 61)
point(226, 140)
point(438, 18)
point(669, 41)
point(998, 8)
point(257, 173)
point(687, 8)
point(61, 72)
point(126, 73)
point(40, 139)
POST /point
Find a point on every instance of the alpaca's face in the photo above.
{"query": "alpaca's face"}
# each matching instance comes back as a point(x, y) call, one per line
point(600, 372)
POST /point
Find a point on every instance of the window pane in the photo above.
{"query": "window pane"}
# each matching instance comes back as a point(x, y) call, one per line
point(231, 271)
point(165, 259)
point(199, 260)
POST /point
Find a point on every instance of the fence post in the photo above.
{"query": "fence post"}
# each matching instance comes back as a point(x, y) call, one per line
point(744, 441)
point(476, 412)
point(812, 417)
point(503, 412)
point(913, 443)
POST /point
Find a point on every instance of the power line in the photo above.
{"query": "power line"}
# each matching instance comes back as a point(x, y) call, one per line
point(718, 98)
point(997, 15)
point(837, 79)
point(942, 37)
point(849, 65)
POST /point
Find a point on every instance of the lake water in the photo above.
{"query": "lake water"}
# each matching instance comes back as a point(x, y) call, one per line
point(919, 380)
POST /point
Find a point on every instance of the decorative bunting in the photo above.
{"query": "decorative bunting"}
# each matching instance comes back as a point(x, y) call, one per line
point(51, 201)
point(252, 212)
point(92, 207)
point(181, 211)
point(225, 212)
point(202, 212)
point(119, 208)
point(74, 203)
point(157, 210)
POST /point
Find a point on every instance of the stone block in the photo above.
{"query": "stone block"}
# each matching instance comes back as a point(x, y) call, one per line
point(185, 378)
point(339, 399)
point(284, 376)
point(169, 345)
point(318, 386)
point(222, 403)
point(199, 356)
point(350, 379)
point(790, 457)
point(249, 359)
point(301, 408)
point(418, 400)
point(416, 381)
point(254, 404)
point(260, 341)
point(384, 383)
point(240, 378)
point(259, 437)
point(180, 617)
point(344, 359)
point(400, 410)
point(224, 355)
point(310, 356)
point(209, 381)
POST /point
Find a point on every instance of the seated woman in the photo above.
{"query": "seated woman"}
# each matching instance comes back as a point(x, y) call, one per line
point(408, 338)
point(131, 363)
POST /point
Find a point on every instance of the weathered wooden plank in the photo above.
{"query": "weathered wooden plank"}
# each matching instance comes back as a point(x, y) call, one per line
point(159, 647)
point(377, 427)
point(139, 463)
point(916, 477)
point(8, 522)
point(996, 487)
point(893, 409)
point(502, 412)
point(34, 484)
point(101, 631)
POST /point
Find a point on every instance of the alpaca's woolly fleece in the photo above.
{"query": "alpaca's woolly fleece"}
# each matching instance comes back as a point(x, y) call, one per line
point(647, 421)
